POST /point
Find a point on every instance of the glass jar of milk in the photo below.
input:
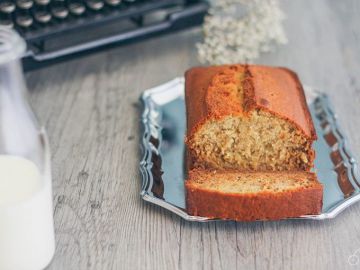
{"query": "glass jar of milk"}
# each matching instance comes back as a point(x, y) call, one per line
point(26, 219)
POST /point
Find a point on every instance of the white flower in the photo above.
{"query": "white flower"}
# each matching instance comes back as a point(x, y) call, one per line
point(233, 36)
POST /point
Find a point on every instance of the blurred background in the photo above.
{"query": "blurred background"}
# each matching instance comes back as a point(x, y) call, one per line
point(89, 105)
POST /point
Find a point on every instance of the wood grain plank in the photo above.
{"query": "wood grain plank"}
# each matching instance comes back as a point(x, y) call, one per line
point(90, 109)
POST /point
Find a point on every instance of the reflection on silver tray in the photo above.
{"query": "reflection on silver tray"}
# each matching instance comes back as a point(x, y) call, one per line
point(162, 164)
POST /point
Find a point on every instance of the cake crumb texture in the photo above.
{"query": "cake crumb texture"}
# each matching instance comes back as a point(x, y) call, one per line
point(248, 117)
point(249, 196)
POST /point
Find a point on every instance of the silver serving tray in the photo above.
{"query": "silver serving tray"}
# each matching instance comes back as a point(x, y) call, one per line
point(162, 164)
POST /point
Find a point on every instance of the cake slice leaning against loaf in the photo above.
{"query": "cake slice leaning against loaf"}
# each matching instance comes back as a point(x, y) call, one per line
point(249, 196)
point(247, 117)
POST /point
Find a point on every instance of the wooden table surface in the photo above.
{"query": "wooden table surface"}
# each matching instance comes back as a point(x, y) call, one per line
point(90, 109)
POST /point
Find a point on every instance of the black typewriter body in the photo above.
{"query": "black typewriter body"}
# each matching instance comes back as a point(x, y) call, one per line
point(57, 30)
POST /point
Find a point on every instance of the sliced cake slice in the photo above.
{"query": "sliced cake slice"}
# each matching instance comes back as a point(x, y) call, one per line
point(247, 117)
point(249, 196)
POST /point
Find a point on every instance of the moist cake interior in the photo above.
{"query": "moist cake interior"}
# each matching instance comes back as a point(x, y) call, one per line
point(260, 141)
point(252, 182)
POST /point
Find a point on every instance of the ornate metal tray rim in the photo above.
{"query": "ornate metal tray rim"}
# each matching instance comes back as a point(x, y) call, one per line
point(150, 125)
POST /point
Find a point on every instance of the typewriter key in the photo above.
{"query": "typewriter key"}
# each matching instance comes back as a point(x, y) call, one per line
point(76, 8)
point(59, 10)
point(24, 4)
point(95, 4)
point(42, 16)
point(7, 7)
point(24, 20)
point(5, 20)
point(42, 2)
point(113, 2)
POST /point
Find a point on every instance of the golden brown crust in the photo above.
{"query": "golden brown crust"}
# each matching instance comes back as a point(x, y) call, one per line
point(276, 90)
point(265, 205)
point(197, 80)
point(279, 91)
point(236, 90)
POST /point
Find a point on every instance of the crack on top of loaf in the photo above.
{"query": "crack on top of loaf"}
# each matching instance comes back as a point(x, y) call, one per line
point(225, 94)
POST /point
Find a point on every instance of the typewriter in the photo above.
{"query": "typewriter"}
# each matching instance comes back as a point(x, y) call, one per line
point(56, 30)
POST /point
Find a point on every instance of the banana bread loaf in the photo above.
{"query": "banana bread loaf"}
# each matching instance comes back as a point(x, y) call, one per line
point(247, 117)
point(248, 196)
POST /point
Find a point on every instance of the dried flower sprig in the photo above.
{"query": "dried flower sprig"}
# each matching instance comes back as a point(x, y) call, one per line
point(230, 36)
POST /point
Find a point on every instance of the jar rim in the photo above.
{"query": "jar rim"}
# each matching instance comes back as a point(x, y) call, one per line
point(12, 45)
